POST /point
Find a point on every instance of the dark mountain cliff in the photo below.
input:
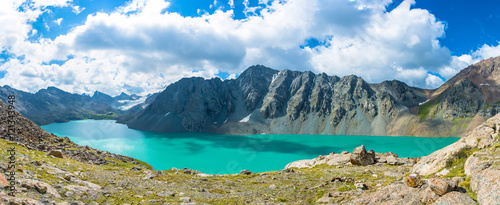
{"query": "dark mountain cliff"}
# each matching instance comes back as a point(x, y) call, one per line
point(263, 100)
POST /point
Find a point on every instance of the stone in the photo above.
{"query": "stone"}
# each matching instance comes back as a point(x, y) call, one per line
point(413, 180)
point(441, 186)
point(344, 152)
point(392, 160)
point(149, 193)
point(487, 186)
point(453, 198)
point(372, 153)
point(444, 172)
point(185, 199)
point(272, 186)
point(458, 179)
point(360, 157)
point(245, 172)
point(70, 177)
point(3, 181)
point(38, 163)
point(29, 201)
point(41, 188)
point(397, 193)
point(361, 186)
point(56, 153)
point(474, 164)
point(326, 199)
point(136, 168)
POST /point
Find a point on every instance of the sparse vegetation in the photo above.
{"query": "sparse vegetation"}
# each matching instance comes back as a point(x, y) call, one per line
point(424, 110)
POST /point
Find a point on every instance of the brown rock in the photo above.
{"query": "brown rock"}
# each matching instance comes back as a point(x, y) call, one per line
point(441, 186)
point(38, 163)
point(372, 153)
point(360, 157)
point(40, 187)
point(453, 198)
point(56, 153)
point(3, 181)
point(245, 172)
point(413, 180)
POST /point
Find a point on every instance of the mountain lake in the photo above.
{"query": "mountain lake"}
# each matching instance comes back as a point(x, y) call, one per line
point(229, 154)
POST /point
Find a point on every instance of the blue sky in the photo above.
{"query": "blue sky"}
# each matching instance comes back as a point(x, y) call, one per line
point(139, 46)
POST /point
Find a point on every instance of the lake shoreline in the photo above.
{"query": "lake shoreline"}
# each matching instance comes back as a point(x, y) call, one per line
point(229, 154)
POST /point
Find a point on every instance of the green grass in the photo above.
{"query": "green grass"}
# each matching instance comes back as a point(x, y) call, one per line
point(148, 166)
point(466, 184)
point(424, 110)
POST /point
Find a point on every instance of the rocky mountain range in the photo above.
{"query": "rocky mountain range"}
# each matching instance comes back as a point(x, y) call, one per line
point(54, 105)
point(263, 100)
point(125, 102)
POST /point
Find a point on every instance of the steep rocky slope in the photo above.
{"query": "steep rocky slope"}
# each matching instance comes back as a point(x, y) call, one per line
point(54, 105)
point(463, 102)
point(263, 100)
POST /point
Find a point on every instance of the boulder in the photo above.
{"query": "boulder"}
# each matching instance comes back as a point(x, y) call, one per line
point(360, 157)
point(56, 153)
point(444, 172)
point(245, 172)
point(475, 164)
point(392, 160)
point(40, 187)
point(372, 153)
point(185, 199)
point(453, 198)
point(441, 186)
point(487, 186)
point(361, 186)
point(3, 181)
point(397, 193)
point(413, 180)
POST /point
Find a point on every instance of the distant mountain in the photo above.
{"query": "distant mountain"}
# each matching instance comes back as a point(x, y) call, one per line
point(124, 102)
point(263, 100)
point(54, 105)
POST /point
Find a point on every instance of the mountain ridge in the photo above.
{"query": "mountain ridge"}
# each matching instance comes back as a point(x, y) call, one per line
point(264, 100)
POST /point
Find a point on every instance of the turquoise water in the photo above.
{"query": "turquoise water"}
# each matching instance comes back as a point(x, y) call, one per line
point(227, 154)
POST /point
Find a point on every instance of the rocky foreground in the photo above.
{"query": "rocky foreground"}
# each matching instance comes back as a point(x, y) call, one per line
point(53, 170)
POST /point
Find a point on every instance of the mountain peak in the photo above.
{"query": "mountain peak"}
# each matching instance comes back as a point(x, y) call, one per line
point(257, 70)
